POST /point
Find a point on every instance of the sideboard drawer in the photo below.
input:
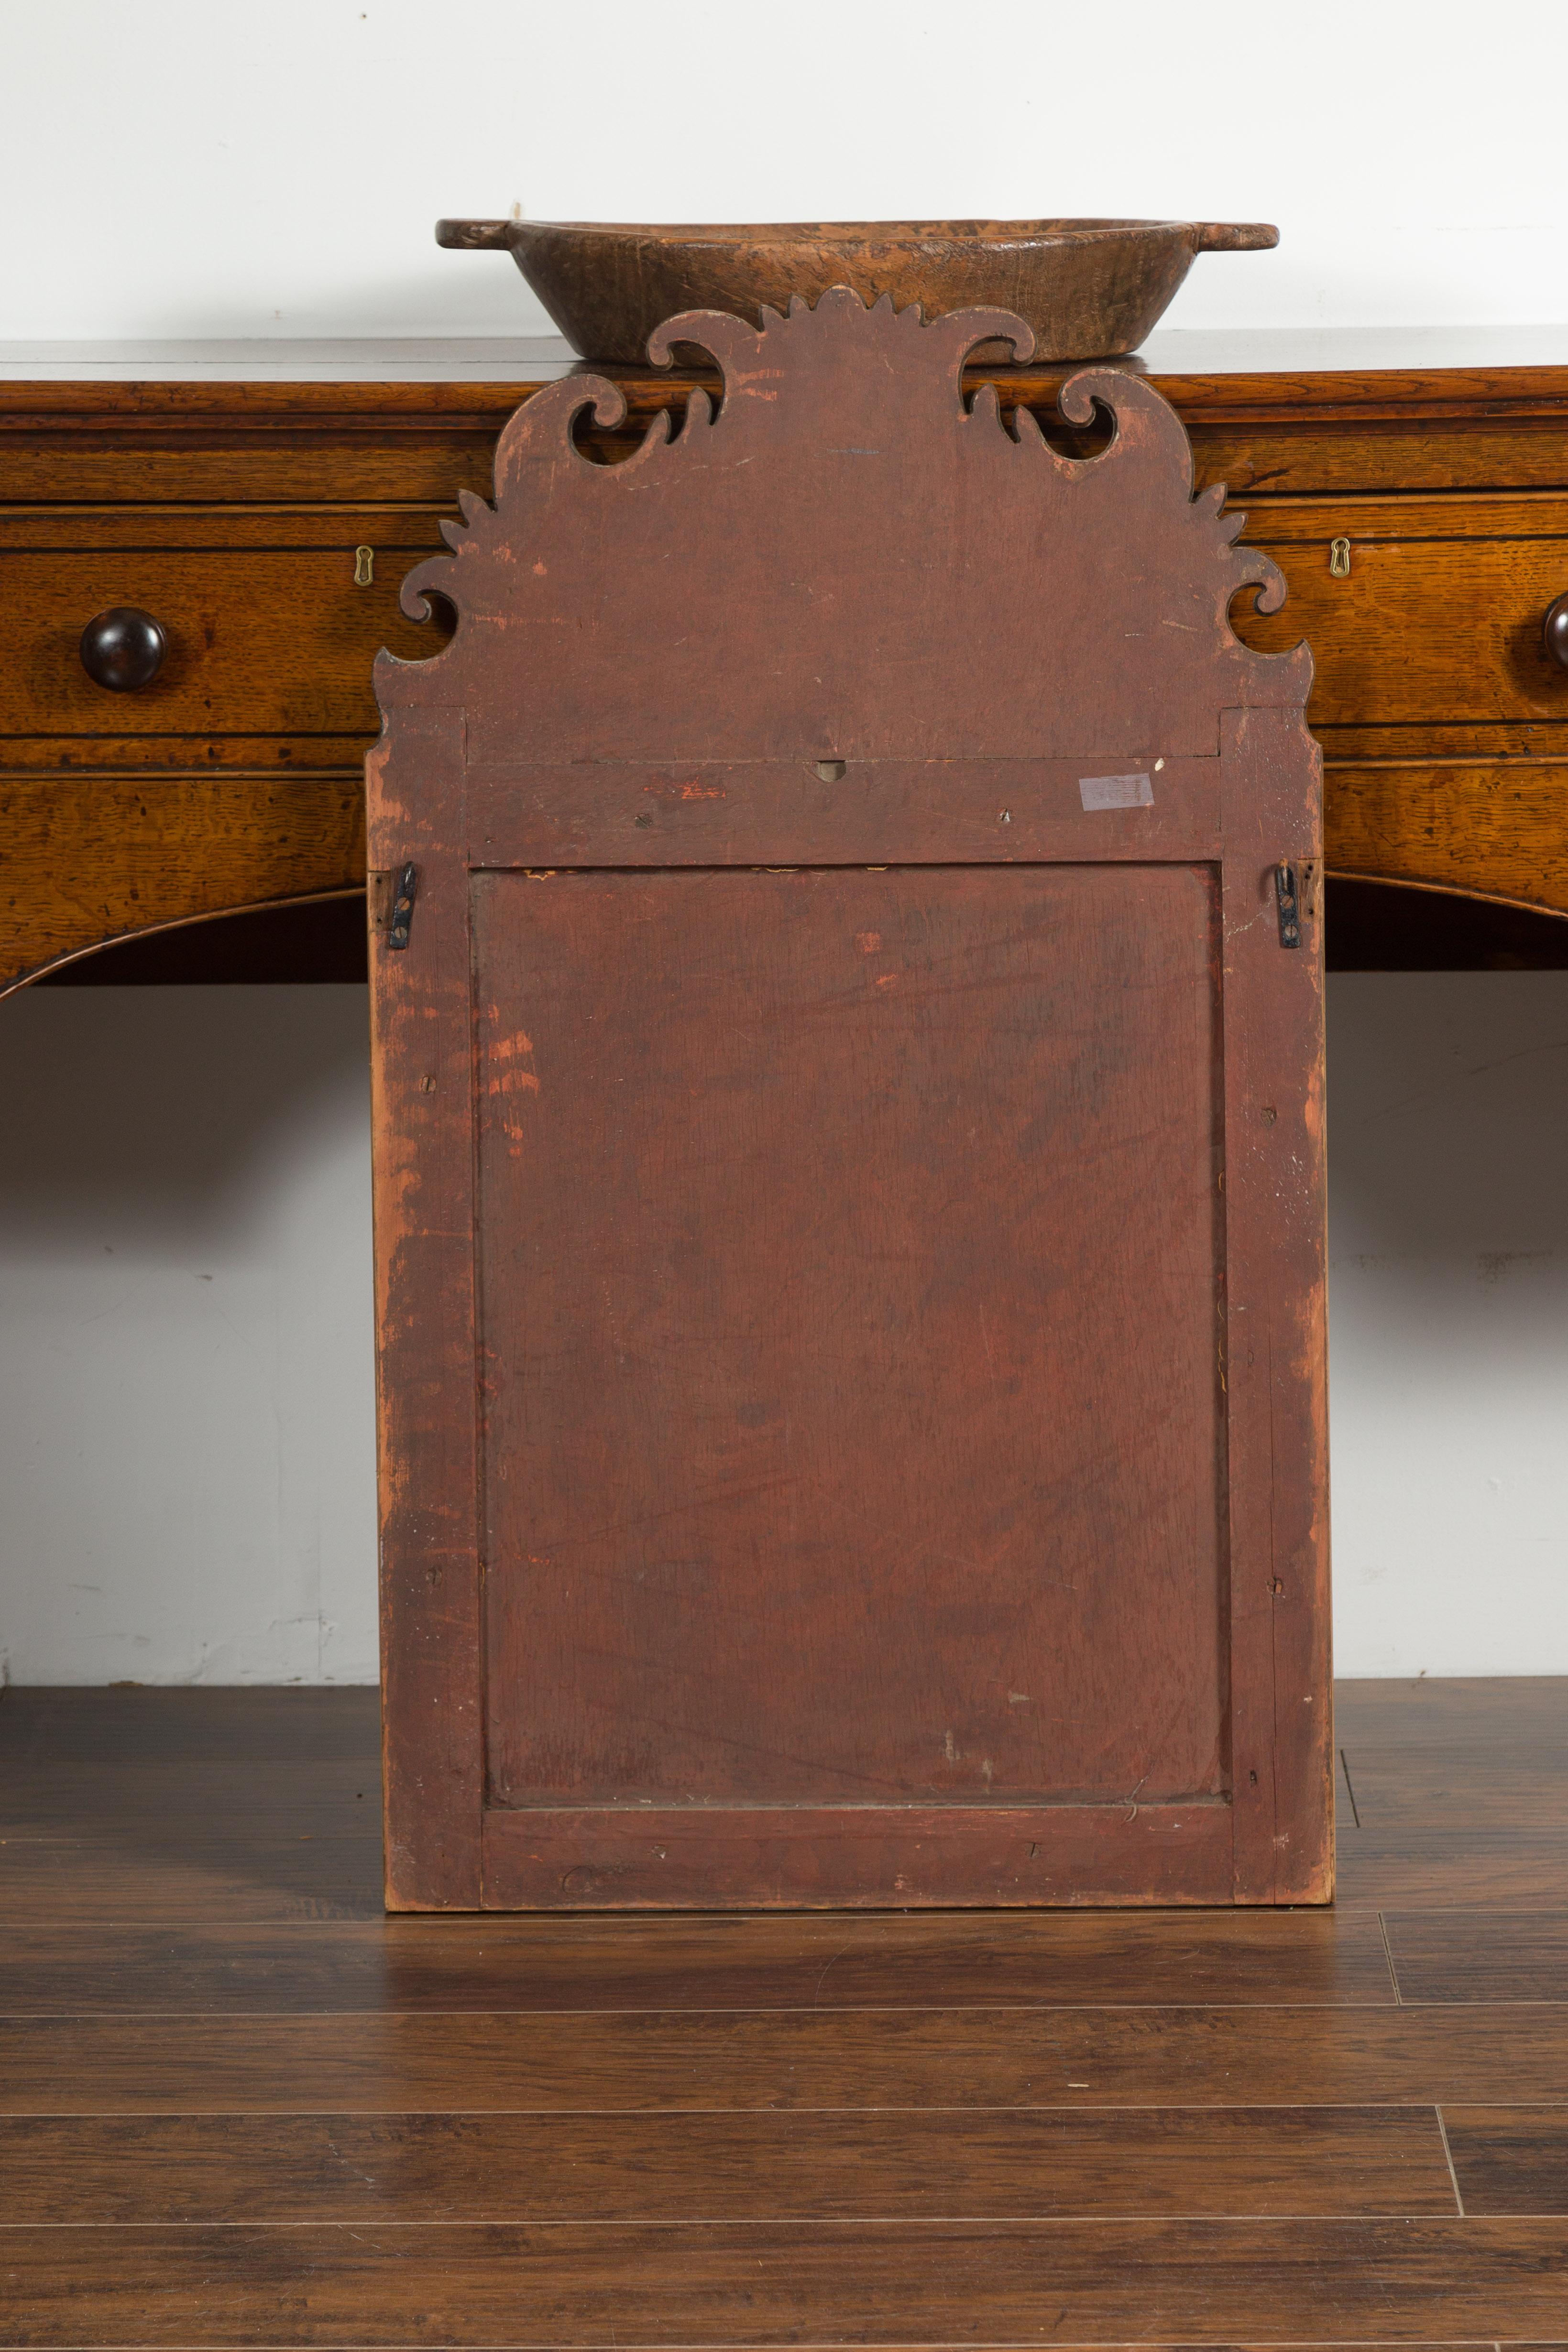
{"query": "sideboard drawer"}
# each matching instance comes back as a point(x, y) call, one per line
point(270, 624)
point(1438, 623)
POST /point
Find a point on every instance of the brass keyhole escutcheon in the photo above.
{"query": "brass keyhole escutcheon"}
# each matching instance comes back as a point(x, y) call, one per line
point(364, 566)
point(1340, 558)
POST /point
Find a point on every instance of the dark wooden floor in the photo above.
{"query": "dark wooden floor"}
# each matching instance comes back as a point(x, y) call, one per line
point(239, 2108)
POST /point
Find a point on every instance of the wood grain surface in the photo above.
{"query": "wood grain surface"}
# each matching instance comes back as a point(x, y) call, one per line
point(1381, 639)
point(797, 2059)
point(234, 617)
point(98, 858)
point(1465, 1799)
point(1510, 2160)
point(900, 1440)
point(1450, 1956)
point(130, 1726)
point(746, 2167)
point(1457, 825)
point(98, 474)
point(1083, 287)
point(1184, 2128)
point(427, 1401)
point(725, 1017)
point(791, 1960)
point(84, 759)
point(985, 2284)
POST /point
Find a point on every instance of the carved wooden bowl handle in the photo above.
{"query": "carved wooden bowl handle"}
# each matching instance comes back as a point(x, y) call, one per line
point(1235, 236)
point(123, 649)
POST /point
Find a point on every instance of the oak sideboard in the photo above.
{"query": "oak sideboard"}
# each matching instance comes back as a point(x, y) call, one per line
point(263, 503)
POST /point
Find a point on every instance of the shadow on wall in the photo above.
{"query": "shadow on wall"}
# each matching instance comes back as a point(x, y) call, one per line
point(170, 1114)
point(186, 1385)
point(1449, 1321)
point(186, 1430)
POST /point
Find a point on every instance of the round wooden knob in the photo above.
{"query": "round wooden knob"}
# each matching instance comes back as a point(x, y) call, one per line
point(123, 649)
point(1556, 631)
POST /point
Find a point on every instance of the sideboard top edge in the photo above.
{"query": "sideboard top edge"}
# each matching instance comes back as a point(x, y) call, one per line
point(1218, 374)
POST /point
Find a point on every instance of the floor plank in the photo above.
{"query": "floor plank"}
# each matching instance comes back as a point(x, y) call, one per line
point(158, 1805)
point(1510, 2160)
point(1450, 1956)
point(791, 2059)
point(1481, 1715)
point(1100, 2282)
point(1492, 1788)
point(736, 2167)
point(219, 1797)
point(1458, 1800)
point(1452, 1866)
point(95, 1877)
point(812, 1961)
point(1461, 1790)
point(307, 2125)
point(134, 1724)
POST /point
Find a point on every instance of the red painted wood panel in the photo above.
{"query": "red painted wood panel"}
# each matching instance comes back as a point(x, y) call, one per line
point(850, 1165)
point(818, 1468)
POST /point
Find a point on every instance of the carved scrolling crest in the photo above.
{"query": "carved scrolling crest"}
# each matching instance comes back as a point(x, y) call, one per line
point(845, 558)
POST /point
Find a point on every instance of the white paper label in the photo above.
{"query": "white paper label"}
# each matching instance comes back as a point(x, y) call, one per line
point(1116, 792)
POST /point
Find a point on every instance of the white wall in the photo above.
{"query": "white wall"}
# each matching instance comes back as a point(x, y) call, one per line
point(191, 167)
point(1449, 1321)
point(184, 1347)
point(185, 1423)
point(186, 1406)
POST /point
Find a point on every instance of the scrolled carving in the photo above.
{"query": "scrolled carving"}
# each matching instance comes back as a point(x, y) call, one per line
point(844, 554)
point(727, 340)
point(735, 345)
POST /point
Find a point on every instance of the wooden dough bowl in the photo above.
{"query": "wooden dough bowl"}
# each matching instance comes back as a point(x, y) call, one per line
point(1087, 288)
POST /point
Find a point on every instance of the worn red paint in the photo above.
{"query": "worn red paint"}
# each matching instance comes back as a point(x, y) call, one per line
point(897, 1467)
